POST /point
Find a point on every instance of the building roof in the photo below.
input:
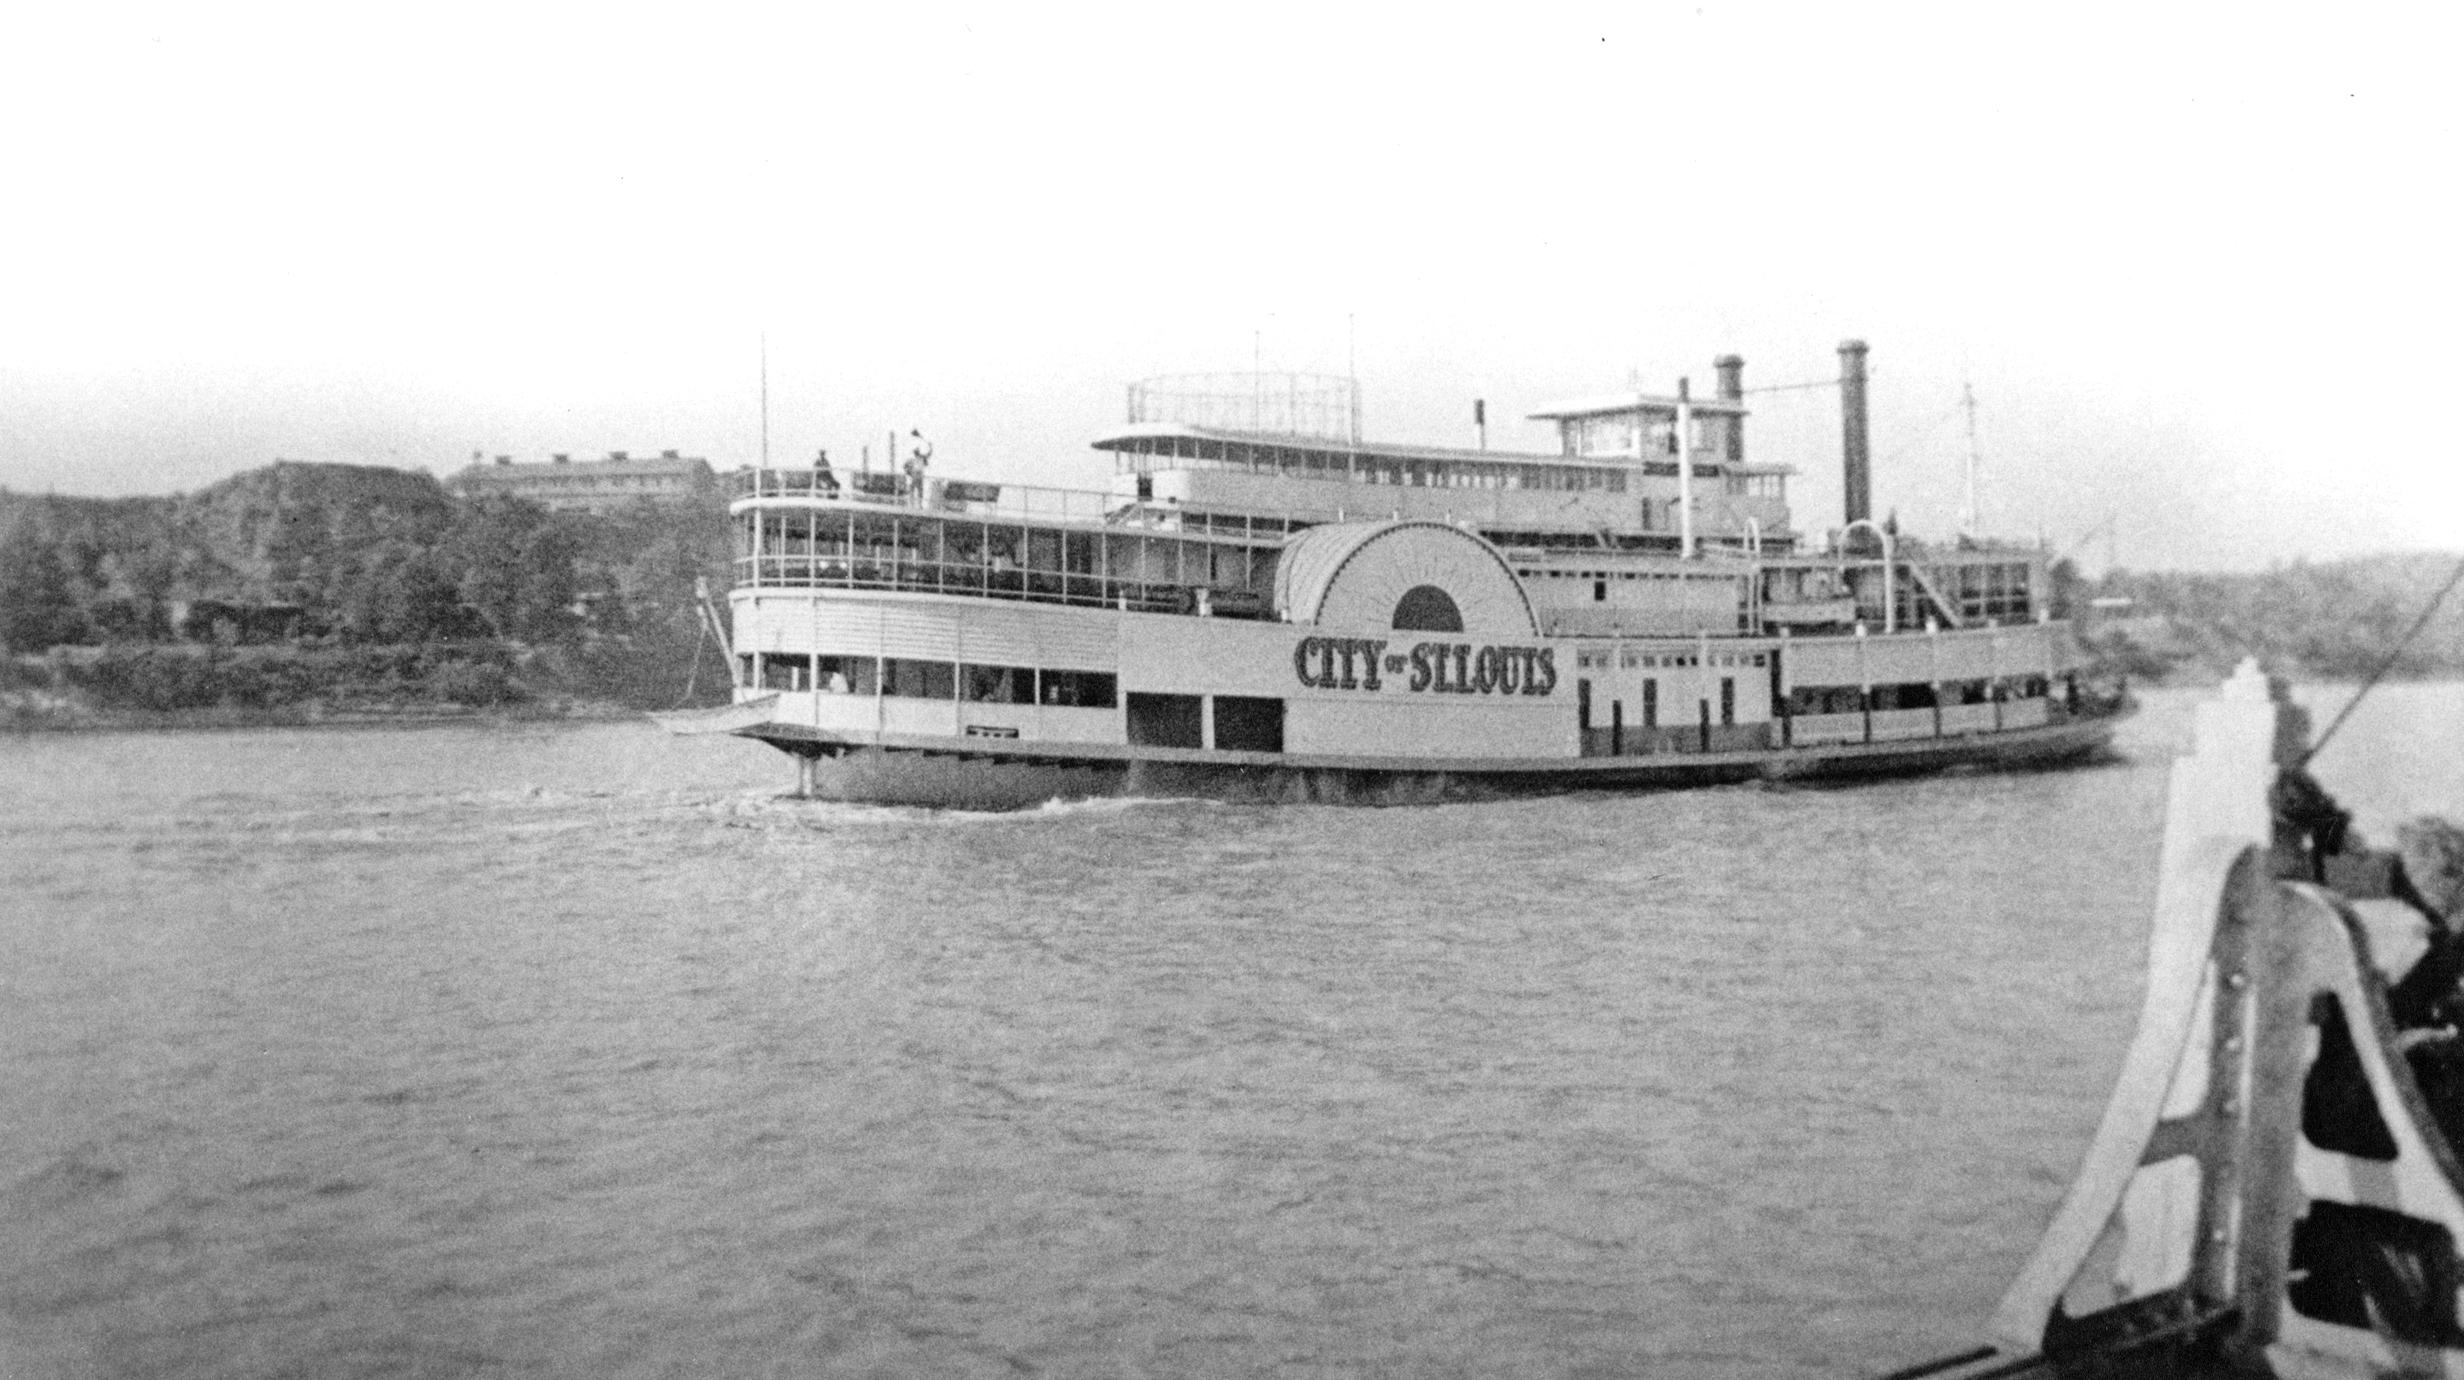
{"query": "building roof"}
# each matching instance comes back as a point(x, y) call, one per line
point(503, 470)
point(1612, 404)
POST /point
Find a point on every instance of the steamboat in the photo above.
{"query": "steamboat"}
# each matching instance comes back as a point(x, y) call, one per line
point(1262, 605)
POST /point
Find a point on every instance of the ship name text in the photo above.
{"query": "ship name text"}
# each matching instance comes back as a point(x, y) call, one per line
point(1454, 668)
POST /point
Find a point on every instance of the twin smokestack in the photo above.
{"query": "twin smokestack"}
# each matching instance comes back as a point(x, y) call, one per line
point(1854, 454)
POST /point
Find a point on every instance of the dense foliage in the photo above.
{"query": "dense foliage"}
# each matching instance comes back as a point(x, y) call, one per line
point(2335, 620)
point(165, 679)
point(343, 557)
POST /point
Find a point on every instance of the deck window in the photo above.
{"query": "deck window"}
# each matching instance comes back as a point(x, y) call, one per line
point(919, 680)
point(1910, 696)
point(997, 684)
point(1081, 689)
point(785, 671)
point(848, 675)
point(1825, 699)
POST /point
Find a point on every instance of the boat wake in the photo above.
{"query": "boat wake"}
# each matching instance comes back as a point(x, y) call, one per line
point(787, 811)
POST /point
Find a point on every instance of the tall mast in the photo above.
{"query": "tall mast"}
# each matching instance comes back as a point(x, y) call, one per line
point(1968, 514)
point(765, 400)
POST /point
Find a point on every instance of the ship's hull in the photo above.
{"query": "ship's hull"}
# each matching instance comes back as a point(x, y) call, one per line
point(941, 774)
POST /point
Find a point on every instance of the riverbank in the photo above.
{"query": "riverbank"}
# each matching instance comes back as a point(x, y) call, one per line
point(18, 715)
point(142, 687)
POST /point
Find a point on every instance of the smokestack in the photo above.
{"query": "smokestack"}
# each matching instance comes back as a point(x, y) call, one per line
point(1731, 369)
point(1853, 451)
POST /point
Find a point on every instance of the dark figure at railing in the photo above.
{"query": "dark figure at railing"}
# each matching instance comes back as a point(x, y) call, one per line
point(920, 457)
point(824, 482)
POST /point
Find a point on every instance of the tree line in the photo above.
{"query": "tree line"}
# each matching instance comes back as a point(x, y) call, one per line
point(2329, 620)
point(344, 556)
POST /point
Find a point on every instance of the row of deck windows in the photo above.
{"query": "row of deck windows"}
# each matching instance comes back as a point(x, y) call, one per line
point(1851, 699)
point(936, 555)
point(1604, 660)
point(922, 679)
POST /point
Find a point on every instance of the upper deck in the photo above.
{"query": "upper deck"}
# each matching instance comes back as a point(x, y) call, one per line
point(1648, 518)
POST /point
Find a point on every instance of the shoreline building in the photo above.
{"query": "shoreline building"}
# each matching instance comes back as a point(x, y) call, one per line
point(563, 484)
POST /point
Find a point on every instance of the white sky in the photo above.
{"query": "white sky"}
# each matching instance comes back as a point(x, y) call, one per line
point(2200, 263)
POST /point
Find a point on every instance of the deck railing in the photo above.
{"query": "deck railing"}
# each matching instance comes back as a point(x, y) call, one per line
point(889, 489)
point(1025, 504)
point(975, 580)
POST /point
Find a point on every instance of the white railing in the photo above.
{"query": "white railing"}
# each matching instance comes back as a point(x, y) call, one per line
point(887, 489)
point(1025, 504)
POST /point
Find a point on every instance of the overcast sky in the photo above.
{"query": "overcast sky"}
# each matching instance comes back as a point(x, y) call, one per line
point(2200, 265)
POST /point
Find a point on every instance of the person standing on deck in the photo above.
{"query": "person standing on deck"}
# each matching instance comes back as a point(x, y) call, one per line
point(920, 457)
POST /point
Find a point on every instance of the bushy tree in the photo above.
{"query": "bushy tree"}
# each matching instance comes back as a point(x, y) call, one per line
point(516, 569)
point(399, 592)
point(38, 604)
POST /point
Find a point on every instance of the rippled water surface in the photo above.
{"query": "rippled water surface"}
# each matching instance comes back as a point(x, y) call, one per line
point(580, 1051)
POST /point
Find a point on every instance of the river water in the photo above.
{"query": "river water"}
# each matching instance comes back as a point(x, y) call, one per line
point(579, 1050)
